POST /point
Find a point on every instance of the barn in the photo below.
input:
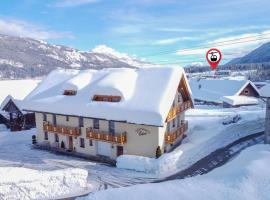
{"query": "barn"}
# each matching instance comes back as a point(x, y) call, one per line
point(14, 117)
point(226, 93)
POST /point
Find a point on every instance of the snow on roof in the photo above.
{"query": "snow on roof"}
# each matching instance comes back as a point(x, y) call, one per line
point(18, 103)
point(146, 93)
point(265, 91)
point(213, 90)
point(240, 100)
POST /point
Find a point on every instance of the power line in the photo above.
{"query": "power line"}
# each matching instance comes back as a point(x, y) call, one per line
point(227, 42)
point(222, 45)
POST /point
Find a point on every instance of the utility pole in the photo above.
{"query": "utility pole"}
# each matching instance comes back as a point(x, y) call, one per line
point(267, 121)
point(265, 93)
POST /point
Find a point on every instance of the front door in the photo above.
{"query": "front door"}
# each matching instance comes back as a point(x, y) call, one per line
point(70, 143)
point(120, 150)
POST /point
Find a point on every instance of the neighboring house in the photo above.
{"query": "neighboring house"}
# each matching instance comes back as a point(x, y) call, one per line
point(111, 112)
point(265, 93)
point(229, 93)
point(16, 118)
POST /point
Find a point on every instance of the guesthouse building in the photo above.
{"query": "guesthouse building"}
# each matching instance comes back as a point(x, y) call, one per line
point(110, 112)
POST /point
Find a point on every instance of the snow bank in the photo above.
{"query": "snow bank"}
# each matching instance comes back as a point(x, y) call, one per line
point(23, 183)
point(245, 178)
point(206, 134)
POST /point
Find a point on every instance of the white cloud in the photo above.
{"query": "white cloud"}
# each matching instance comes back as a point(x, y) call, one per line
point(26, 29)
point(173, 40)
point(72, 3)
point(126, 29)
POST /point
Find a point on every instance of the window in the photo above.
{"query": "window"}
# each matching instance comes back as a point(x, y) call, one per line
point(180, 98)
point(67, 118)
point(54, 119)
point(44, 117)
point(56, 137)
point(46, 136)
point(178, 121)
point(70, 92)
point(82, 143)
point(96, 123)
point(246, 91)
point(168, 127)
point(80, 121)
point(90, 142)
point(112, 127)
point(173, 124)
point(106, 98)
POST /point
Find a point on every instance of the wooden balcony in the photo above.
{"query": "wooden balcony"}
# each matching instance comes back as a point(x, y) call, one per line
point(171, 137)
point(106, 136)
point(181, 107)
point(64, 130)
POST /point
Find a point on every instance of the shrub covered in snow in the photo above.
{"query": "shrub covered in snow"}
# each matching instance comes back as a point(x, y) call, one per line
point(23, 183)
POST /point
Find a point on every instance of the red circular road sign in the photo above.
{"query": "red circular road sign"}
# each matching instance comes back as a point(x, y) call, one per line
point(213, 57)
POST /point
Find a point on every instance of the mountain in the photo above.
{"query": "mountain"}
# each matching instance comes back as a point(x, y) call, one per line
point(259, 55)
point(28, 58)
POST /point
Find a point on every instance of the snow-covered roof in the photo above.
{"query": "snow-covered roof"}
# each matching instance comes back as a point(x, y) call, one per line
point(213, 90)
point(265, 91)
point(146, 93)
point(240, 100)
point(18, 103)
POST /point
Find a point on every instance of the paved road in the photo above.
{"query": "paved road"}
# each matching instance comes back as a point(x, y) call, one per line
point(217, 158)
point(208, 163)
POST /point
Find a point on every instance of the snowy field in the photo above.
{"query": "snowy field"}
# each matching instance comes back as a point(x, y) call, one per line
point(18, 89)
point(247, 177)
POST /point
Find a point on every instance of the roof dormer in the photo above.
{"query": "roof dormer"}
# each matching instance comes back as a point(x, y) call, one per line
point(106, 98)
point(70, 92)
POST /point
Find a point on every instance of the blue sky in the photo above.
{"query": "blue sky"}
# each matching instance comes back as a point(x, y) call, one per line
point(156, 30)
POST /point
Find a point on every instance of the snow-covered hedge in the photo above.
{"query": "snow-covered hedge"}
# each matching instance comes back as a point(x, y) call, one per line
point(23, 183)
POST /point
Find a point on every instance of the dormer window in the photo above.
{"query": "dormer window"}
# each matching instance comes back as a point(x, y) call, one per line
point(70, 92)
point(106, 98)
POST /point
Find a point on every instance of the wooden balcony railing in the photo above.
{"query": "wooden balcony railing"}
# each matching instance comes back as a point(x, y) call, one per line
point(106, 136)
point(171, 137)
point(72, 131)
point(177, 109)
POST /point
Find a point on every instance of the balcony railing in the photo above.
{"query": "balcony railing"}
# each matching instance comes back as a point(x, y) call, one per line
point(106, 136)
point(72, 131)
point(171, 137)
point(178, 109)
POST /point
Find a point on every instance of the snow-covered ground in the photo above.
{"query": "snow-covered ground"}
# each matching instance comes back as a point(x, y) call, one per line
point(16, 151)
point(24, 183)
point(206, 134)
point(247, 177)
point(18, 89)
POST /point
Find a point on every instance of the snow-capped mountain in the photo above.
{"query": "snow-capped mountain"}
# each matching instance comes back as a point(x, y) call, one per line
point(25, 57)
point(259, 55)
